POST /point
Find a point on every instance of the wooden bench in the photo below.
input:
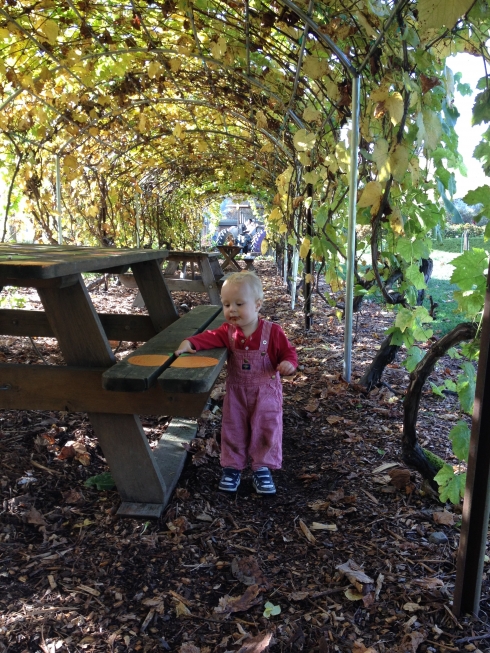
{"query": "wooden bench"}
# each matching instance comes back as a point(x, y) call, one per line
point(249, 260)
point(210, 275)
point(127, 377)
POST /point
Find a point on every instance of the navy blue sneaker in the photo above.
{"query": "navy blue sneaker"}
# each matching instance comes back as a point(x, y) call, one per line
point(230, 479)
point(262, 481)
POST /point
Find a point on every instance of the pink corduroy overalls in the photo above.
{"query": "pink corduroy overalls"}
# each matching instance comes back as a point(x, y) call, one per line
point(251, 428)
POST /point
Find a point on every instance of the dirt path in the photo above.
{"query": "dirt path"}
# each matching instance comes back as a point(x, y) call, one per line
point(350, 555)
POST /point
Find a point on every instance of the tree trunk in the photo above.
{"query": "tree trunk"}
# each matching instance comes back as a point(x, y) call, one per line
point(412, 453)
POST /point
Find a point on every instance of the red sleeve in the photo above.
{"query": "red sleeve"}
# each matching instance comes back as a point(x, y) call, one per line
point(280, 349)
point(211, 339)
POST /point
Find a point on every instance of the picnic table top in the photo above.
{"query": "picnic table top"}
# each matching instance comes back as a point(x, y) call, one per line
point(51, 261)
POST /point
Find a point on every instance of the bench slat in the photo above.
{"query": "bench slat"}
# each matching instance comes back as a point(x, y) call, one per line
point(195, 380)
point(125, 377)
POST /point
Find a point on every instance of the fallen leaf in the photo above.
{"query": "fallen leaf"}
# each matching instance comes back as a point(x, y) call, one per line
point(429, 583)
point(247, 571)
point(382, 467)
point(413, 640)
point(306, 532)
point(412, 607)
point(361, 581)
point(33, 516)
point(400, 478)
point(334, 419)
point(229, 604)
point(353, 595)
point(444, 517)
point(336, 496)
point(189, 647)
point(299, 596)
point(181, 610)
point(256, 644)
point(317, 526)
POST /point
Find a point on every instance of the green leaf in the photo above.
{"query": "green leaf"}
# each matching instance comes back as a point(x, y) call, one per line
point(271, 610)
point(414, 356)
point(413, 274)
point(404, 319)
point(396, 336)
point(437, 389)
point(466, 387)
point(460, 438)
point(480, 195)
point(481, 108)
point(469, 269)
point(102, 481)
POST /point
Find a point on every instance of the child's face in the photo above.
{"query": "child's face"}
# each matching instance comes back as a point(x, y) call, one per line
point(240, 305)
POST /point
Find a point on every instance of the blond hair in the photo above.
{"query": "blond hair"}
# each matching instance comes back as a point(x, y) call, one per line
point(248, 277)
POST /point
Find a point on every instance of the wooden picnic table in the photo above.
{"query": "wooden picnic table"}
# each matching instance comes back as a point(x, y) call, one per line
point(83, 336)
point(230, 252)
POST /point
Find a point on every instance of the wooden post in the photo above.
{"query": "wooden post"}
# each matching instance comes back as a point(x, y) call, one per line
point(476, 507)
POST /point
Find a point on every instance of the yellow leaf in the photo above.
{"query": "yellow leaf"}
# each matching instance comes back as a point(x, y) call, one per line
point(181, 610)
point(399, 159)
point(282, 228)
point(50, 30)
point(93, 131)
point(396, 221)
point(304, 140)
point(305, 247)
point(92, 211)
point(175, 65)
point(142, 123)
point(380, 155)
point(310, 114)
point(178, 131)
point(414, 169)
point(155, 69)
point(308, 278)
point(332, 90)
point(394, 104)
point(314, 67)
point(202, 146)
point(353, 595)
point(268, 147)
point(261, 120)
point(370, 195)
point(441, 13)
point(433, 129)
point(275, 214)
point(70, 161)
point(218, 49)
point(4, 33)
point(264, 246)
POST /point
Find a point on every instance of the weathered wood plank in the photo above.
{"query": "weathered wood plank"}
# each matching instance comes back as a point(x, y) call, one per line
point(195, 380)
point(117, 326)
point(155, 293)
point(49, 261)
point(170, 453)
point(127, 377)
point(75, 389)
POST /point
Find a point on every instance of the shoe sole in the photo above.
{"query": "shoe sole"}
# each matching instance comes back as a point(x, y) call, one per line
point(227, 489)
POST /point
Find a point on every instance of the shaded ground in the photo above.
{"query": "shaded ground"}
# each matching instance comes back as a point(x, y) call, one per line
point(76, 578)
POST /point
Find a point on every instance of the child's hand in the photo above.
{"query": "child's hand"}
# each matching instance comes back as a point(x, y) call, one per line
point(185, 347)
point(285, 368)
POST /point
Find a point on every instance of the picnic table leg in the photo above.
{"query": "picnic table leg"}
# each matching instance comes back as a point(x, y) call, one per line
point(209, 280)
point(156, 295)
point(83, 343)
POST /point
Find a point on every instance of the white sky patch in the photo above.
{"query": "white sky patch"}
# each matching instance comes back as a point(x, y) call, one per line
point(469, 136)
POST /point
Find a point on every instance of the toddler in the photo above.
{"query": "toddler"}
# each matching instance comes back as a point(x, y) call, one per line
point(259, 352)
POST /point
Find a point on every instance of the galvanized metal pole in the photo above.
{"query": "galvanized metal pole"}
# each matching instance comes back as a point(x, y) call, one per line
point(294, 274)
point(351, 229)
point(476, 506)
point(285, 260)
point(58, 199)
point(138, 210)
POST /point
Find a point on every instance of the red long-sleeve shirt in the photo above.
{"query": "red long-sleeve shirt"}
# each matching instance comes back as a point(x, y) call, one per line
point(279, 348)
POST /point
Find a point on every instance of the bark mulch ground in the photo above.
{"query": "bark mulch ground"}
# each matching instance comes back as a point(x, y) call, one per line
point(352, 554)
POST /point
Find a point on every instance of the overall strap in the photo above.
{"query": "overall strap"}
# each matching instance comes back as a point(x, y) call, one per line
point(265, 335)
point(231, 339)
